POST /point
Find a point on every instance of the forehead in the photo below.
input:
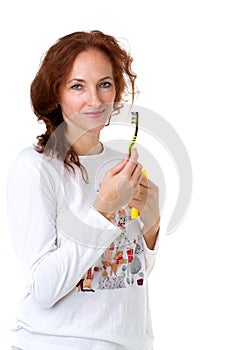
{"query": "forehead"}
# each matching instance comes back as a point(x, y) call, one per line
point(91, 60)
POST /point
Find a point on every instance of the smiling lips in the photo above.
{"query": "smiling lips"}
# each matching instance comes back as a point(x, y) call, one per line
point(95, 113)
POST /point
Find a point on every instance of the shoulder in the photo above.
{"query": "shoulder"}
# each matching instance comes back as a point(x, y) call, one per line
point(29, 157)
point(31, 167)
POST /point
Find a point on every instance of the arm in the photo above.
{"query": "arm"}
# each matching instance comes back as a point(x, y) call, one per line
point(146, 200)
point(52, 268)
point(151, 235)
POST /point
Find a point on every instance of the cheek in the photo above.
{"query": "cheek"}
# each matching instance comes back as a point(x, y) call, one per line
point(70, 104)
point(108, 97)
point(114, 95)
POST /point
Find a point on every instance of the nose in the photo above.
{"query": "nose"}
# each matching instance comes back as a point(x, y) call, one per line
point(94, 98)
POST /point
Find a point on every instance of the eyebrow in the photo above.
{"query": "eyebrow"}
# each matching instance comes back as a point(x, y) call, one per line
point(83, 81)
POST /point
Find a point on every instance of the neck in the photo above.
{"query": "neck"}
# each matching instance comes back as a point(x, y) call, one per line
point(87, 150)
point(87, 145)
point(83, 142)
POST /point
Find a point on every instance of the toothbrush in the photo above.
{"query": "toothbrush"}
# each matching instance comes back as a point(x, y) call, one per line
point(135, 121)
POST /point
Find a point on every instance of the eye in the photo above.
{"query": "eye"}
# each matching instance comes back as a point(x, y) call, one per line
point(76, 87)
point(106, 84)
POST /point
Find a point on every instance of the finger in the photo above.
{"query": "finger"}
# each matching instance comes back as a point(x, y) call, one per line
point(137, 196)
point(145, 182)
point(134, 155)
point(148, 183)
point(140, 194)
point(143, 191)
point(136, 204)
point(131, 165)
point(119, 166)
point(136, 175)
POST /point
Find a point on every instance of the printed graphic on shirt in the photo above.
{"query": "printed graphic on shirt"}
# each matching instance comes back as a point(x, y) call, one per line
point(84, 285)
point(120, 266)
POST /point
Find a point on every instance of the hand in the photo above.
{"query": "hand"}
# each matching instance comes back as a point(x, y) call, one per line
point(146, 200)
point(118, 186)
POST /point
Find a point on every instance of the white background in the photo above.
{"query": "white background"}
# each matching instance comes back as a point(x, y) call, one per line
point(183, 57)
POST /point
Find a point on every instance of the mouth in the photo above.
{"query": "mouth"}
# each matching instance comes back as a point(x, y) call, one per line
point(95, 113)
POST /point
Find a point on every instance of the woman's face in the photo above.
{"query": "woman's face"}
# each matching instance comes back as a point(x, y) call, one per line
point(87, 97)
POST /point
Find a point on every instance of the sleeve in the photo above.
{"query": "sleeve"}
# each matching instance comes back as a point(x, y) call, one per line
point(51, 271)
point(150, 255)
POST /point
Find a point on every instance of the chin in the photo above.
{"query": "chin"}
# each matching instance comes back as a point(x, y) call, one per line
point(96, 124)
point(96, 128)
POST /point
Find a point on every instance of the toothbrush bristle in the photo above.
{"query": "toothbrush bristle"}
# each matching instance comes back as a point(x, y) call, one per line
point(134, 117)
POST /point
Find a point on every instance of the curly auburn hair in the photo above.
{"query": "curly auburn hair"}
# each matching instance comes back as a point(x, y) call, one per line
point(55, 66)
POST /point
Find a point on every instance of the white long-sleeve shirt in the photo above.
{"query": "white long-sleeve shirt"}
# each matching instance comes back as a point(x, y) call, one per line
point(85, 277)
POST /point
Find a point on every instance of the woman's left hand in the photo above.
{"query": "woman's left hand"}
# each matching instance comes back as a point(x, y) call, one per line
point(146, 200)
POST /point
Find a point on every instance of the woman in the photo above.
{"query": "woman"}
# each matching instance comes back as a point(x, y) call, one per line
point(85, 260)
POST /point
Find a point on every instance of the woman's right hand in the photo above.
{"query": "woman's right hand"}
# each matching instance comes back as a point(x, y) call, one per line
point(119, 185)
